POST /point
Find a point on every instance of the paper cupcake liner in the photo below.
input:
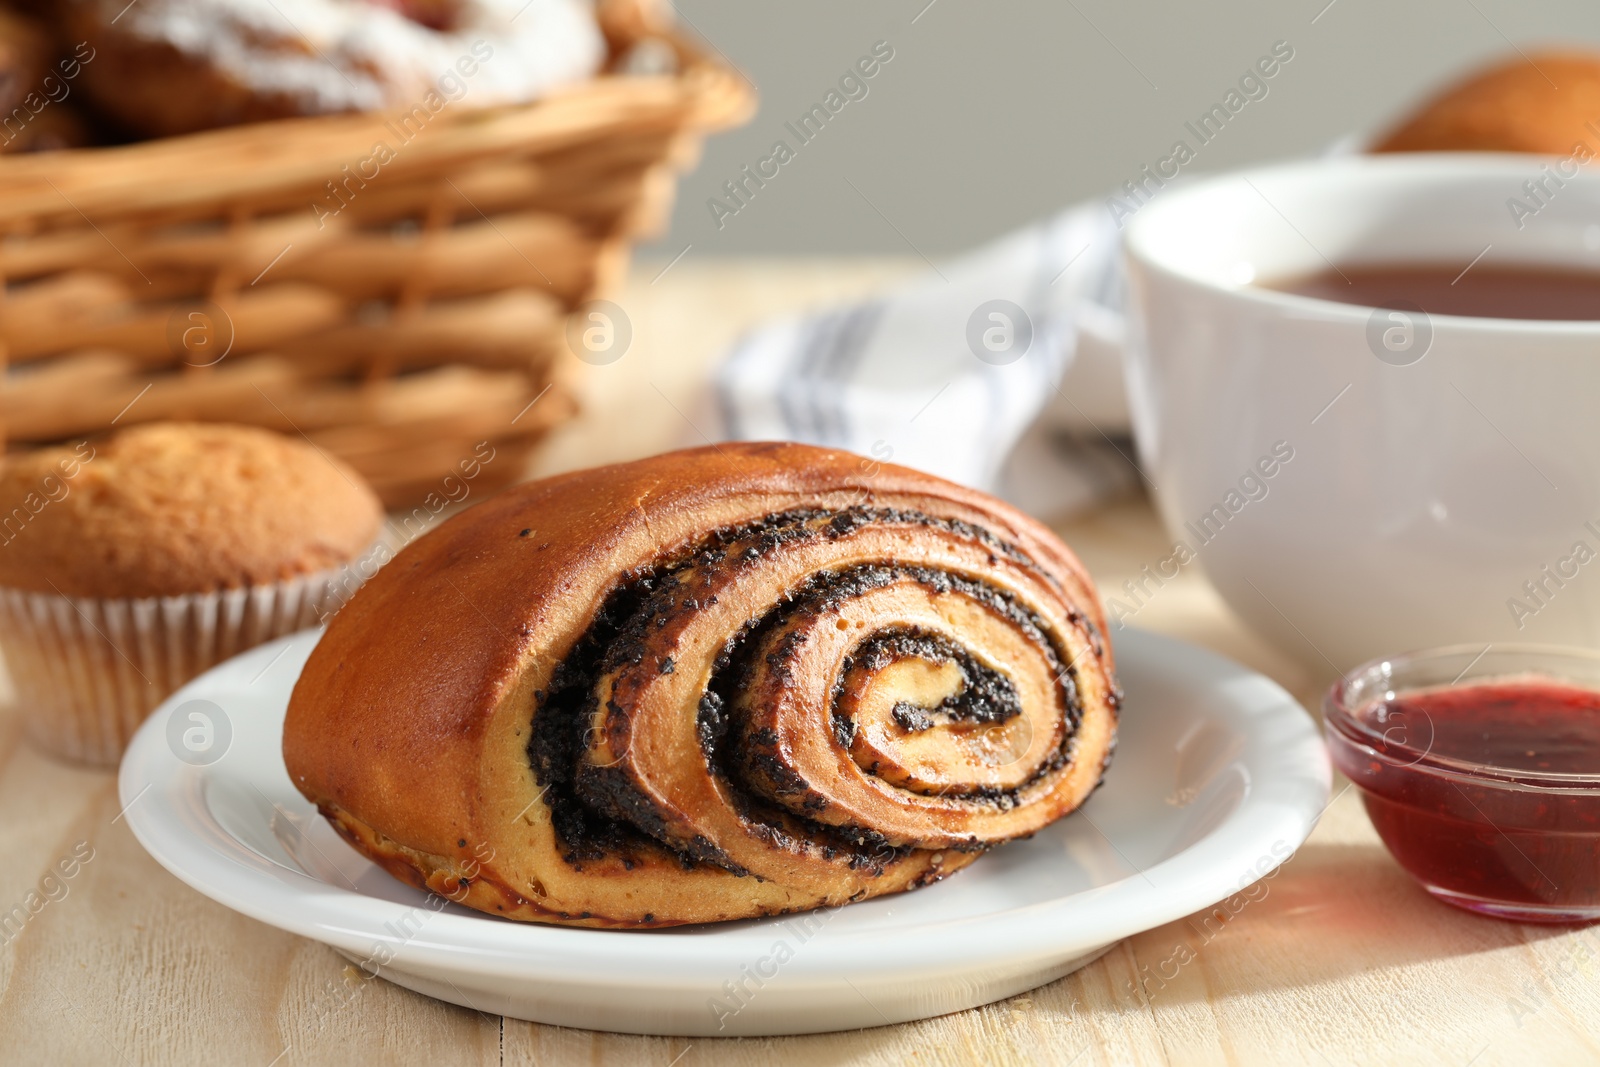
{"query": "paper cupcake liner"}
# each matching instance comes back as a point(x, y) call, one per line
point(87, 671)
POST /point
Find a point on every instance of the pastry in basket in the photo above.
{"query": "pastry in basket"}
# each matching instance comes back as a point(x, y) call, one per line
point(715, 684)
point(25, 55)
point(131, 563)
point(34, 116)
point(53, 129)
point(167, 67)
point(1546, 102)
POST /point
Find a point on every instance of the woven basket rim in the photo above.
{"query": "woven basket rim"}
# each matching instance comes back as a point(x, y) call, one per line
point(241, 162)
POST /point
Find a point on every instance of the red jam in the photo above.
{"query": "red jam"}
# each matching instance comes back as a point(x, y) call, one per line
point(1487, 793)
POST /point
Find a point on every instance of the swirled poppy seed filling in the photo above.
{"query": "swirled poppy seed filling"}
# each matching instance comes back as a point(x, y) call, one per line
point(982, 694)
point(917, 709)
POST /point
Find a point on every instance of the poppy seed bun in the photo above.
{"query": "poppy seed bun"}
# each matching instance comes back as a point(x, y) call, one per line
point(167, 509)
point(1540, 103)
point(442, 723)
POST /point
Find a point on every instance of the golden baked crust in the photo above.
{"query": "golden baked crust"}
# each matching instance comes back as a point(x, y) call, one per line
point(25, 54)
point(171, 508)
point(673, 619)
point(34, 113)
point(1543, 103)
point(57, 127)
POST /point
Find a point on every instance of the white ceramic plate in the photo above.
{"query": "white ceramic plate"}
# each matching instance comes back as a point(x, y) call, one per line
point(1219, 775)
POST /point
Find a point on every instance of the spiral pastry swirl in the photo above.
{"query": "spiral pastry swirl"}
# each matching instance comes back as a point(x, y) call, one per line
point(710, 685)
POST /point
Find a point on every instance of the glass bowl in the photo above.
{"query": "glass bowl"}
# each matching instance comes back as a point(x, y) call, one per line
point(1480, 769)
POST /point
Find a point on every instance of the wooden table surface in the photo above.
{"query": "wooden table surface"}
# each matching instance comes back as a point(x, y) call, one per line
point(1343, 961)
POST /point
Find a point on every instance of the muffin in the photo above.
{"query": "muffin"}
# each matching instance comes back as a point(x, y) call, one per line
point(130, 564)
point(1547, 102)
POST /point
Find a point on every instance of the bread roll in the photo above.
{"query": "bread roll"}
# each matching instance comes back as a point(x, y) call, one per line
point(1546, 102)
point(714, 684)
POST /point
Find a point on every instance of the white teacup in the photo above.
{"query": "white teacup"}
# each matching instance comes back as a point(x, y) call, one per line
point(1358, 483)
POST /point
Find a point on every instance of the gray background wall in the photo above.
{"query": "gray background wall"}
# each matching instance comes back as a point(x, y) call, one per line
point(994, 113)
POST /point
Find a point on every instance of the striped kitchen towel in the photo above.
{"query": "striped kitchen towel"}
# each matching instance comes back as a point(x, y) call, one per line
point(950, 371)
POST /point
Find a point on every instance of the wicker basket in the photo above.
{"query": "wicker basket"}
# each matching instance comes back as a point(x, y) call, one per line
point(252, 275)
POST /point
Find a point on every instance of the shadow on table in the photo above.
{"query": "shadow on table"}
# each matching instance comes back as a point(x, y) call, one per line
point(1334, 911)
